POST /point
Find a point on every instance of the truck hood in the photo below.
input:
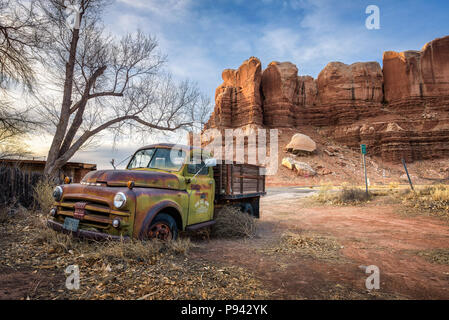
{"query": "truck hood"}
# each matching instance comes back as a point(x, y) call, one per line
point(141, 178)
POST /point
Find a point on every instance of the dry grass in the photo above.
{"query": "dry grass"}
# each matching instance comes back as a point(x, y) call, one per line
point(117, 270)
point(393, 186)
point(352, 195)
point(7, 213)
point(111, 251)
point(311, 245)
point(4, 215)
point(43, 194)
point(325, 193)
point(233, 223)
point(440, 256)
point(434, 199)
point(348, 195)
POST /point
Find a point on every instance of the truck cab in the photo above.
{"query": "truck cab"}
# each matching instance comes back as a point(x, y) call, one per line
point(164, 189)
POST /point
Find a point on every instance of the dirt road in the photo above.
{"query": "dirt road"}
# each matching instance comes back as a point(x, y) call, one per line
point(339, 243)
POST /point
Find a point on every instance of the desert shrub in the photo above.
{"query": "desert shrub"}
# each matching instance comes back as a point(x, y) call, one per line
point(231, 222)
point(43, 194)
point(433, 198)
point(347, 195)
point(352, 195)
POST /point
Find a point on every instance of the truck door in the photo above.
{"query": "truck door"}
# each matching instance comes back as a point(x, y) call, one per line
point(201, 191)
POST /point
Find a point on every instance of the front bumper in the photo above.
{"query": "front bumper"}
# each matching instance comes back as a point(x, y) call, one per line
point(85, 234)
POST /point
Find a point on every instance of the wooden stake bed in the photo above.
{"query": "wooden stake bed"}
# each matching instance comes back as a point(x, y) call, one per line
point(238, 181)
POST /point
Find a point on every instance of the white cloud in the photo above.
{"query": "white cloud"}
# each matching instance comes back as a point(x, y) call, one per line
point(281, 41)
point(170, 9)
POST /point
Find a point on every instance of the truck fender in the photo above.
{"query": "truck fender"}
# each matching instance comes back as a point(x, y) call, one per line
point(155, 210)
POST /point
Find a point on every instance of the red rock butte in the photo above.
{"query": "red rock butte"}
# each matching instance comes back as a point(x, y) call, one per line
point(400, 111)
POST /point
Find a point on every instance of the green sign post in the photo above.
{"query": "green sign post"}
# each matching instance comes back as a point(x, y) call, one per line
point(363, 149)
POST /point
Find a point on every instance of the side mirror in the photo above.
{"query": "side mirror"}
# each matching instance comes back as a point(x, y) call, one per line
point(210, 162)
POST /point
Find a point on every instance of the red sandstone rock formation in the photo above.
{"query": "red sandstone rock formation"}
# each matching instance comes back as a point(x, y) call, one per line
point(339, 82)
point(280, 87)
point(417, 74)
point(400, 112)
point(237, 100)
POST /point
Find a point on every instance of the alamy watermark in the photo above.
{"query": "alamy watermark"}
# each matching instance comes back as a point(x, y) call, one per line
point(373, 280)
point(73, 279)
point(73, 13)
point(254, 146)
point(373, 20)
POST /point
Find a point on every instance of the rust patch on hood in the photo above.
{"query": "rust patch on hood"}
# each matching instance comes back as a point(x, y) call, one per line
point(141, 178)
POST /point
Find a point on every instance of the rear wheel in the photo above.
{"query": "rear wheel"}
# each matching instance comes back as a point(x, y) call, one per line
point(163, 228)
point(248, 208)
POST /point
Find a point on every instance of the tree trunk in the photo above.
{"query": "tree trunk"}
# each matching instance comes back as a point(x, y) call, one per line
point(52, 166)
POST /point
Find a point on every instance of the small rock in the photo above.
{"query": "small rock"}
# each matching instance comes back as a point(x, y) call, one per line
point(330, 154)
point(323, 171)
point(302, 168)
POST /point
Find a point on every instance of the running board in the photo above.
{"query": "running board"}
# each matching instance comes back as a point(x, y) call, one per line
point(197, 226)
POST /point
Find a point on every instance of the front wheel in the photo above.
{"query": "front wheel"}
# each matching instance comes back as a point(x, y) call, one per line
point(163, 228)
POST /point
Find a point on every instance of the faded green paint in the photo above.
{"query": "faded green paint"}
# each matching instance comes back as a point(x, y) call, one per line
point(189, 199)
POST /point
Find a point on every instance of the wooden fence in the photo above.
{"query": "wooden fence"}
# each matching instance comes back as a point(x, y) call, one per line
point(17, 186)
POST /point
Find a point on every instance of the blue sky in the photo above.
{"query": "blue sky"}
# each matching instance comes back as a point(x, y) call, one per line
point(203, 37)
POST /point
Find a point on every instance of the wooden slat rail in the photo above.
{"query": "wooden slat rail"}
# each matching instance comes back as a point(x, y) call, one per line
point(236, 180)
point(246, 176)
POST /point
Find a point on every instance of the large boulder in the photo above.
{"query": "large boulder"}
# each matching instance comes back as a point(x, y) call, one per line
point(300, 144)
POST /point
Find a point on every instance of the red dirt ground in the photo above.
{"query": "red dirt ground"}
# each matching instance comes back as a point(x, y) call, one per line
point(376, 234)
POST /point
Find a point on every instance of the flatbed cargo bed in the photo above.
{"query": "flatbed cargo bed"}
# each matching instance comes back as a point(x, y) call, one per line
point(238, 181)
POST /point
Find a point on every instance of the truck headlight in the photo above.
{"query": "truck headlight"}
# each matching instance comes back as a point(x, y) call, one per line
point(119, 200)
point(57, 193)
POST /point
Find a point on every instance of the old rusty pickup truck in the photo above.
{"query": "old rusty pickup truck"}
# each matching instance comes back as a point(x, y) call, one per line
point(157, 196)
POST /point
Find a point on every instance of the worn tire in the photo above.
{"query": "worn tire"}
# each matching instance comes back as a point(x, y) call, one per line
point(248, 208)
point(163, 220)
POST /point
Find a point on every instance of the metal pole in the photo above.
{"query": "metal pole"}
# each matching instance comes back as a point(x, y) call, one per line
point(408, 176)
point(366, 176)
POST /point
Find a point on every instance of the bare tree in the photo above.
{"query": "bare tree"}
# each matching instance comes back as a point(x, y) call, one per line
point(107, 83)
point(18, 45)
point(18, 42)
point(13, 125)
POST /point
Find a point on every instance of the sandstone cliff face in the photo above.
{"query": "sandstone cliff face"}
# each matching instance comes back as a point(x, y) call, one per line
point(417, 74)
point(280, 87)
point(357, 82)
point(400, 111)
point(237, 100)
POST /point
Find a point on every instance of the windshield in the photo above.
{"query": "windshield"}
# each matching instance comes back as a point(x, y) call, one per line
point(163, 159)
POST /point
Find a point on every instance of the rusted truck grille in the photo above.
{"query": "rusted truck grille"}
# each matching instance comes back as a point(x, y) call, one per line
point(96, 214)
